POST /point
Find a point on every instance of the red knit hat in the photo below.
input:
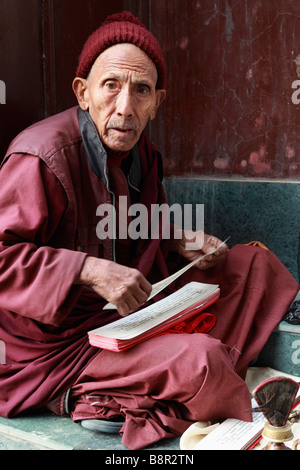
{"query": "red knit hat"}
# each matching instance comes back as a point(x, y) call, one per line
point(122, 28)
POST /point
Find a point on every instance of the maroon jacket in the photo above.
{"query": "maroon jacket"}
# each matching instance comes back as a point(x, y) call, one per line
point(48, 200)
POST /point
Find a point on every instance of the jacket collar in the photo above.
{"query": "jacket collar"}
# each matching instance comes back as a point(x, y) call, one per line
point(95, 151)
point(97, 156)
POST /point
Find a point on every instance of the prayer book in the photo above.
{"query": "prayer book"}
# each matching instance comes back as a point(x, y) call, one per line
point(155, 318)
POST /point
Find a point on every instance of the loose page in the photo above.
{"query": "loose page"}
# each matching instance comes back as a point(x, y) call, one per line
point(161, 285)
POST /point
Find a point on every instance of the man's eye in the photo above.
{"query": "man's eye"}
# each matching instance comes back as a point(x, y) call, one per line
point(143, 90)
point(111, 85)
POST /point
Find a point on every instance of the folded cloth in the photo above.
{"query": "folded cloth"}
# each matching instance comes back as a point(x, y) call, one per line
point(202, 323)
point(257, 243)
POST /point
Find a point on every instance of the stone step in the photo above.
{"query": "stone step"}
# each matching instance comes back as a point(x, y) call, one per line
point(282, 351)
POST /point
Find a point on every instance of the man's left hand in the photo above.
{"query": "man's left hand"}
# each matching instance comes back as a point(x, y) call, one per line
point(192, 245)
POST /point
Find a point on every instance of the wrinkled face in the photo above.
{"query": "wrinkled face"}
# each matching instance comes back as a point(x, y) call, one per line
point(120, 95)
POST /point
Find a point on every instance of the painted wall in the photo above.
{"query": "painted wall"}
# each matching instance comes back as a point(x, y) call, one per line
point(232, 66)
point(40, 41)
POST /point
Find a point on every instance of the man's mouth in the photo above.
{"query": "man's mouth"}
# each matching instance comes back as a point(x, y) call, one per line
point(123, 131)
point(123, 128)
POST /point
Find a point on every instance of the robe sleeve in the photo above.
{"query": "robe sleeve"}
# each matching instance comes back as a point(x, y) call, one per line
point(37, 280)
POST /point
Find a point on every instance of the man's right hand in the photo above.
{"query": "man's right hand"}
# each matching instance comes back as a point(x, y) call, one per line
point(124, 287)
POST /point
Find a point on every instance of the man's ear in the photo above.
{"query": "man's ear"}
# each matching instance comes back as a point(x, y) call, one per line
point(159, 96)
point(80, 88)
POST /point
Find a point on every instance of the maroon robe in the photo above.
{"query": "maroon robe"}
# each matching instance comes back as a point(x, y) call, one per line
point(48, 201)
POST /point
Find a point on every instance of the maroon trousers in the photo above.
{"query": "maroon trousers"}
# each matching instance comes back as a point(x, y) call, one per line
point(164, 384)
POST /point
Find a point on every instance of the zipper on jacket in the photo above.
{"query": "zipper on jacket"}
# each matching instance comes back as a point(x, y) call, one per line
point(113, 199)
point(132, 186)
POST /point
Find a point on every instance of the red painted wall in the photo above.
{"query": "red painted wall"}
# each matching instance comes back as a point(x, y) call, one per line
point(231, 67)
point(40, 41)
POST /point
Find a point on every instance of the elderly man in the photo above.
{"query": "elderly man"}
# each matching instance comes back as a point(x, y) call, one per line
point(56, 274)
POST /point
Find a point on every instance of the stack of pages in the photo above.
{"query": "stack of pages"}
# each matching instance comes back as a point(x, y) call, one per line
point(156, 318)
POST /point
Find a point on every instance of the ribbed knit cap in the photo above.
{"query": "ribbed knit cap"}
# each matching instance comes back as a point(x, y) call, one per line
point(117, 29)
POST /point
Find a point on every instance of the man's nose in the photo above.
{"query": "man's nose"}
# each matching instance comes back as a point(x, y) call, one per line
point(124, 104)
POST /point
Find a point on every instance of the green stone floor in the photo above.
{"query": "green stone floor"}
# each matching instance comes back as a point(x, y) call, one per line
point(46, 431)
